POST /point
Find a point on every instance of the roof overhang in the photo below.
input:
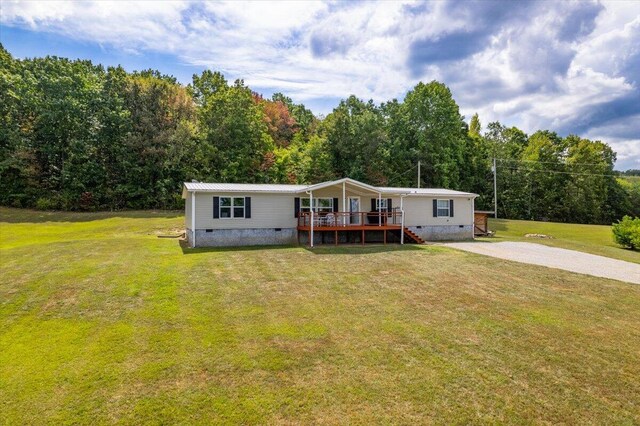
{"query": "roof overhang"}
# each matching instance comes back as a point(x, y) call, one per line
point(440, 195)
point(349, 181)
point(353, 183)
point(357, 187)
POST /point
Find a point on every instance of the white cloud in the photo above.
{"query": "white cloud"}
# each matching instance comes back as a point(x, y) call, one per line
point(526, 72)
point(628, 152)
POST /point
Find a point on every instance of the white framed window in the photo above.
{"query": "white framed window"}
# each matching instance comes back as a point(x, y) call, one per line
point(443, 208)
point(381, 204)
point(225, 207)
point(232, 207)
point(319, 204)
point(238, 206)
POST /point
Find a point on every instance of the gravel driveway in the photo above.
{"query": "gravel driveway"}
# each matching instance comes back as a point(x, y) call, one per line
point(553, 257)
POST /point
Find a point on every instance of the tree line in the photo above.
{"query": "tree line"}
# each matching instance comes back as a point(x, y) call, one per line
point(79, 136)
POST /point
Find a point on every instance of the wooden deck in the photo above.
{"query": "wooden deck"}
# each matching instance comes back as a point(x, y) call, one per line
point(360, 229)
point(365, 222)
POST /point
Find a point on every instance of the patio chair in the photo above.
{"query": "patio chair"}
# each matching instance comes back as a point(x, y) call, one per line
point(330, 219)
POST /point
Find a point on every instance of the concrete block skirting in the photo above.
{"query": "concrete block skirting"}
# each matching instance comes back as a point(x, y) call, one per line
point(443, 232)
point(244, 237)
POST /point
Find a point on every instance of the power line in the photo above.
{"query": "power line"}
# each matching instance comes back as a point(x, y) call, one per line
point(565, 173)
point(549, 162)
point(395, 176)
point(409, 170)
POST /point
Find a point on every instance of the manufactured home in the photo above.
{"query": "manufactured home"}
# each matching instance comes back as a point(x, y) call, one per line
point(334, 212)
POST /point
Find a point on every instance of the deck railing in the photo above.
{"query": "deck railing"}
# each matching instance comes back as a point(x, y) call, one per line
point(350, 219)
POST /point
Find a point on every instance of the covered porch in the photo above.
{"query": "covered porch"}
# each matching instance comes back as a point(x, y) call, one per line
point(351, 226)
point(348, 211)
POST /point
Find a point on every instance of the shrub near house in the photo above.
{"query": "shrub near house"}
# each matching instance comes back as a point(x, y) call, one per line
point(627, 232)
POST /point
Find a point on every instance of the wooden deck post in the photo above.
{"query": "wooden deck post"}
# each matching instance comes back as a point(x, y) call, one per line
point(362, 236)
point(336, 238)
point(385, 236)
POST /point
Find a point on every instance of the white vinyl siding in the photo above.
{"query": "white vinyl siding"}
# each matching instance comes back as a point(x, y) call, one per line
point(267, 211)
point(419, 212)
point(277, 210)
point(187, 210)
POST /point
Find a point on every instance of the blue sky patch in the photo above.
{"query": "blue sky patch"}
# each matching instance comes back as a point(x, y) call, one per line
point(567, 66)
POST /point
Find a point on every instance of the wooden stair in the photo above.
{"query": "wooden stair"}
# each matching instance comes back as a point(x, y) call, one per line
point(414, 237)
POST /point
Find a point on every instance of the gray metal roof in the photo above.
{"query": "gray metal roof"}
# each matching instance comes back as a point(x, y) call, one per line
point(242, 187)
point(428, 191)
point(343, 180)
point(283, 188)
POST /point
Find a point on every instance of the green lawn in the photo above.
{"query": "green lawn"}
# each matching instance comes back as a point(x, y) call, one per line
point(103, 322)
point(595, 239)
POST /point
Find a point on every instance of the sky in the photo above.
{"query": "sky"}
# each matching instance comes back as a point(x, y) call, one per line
point(565, 66)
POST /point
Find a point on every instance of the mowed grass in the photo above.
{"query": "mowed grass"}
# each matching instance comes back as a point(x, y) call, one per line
point(595, 239)
point(103, 322)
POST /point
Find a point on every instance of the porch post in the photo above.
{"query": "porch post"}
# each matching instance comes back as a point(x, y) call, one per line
point(311, 208)
point(401, 220)
point(379, 209)
point(193, 219)
point(344, 204)
point(473, 219)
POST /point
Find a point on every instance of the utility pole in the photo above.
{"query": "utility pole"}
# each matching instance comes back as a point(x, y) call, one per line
point(495, 189)
point(419, 177)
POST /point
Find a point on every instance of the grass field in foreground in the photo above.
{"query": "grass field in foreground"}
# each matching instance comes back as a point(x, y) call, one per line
point(595, 239)
point(103, 322)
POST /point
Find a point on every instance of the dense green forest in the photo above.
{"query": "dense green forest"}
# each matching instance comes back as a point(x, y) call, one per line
point(77, 136)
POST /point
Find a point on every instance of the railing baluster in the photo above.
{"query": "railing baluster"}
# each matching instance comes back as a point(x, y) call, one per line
point(349, 219)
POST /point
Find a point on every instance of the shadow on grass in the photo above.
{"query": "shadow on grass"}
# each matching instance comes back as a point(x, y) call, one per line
point(498, 224)
point(13, 215)
point(325, 249)
point(184, 246)
point(493, 239)
point(360, 249)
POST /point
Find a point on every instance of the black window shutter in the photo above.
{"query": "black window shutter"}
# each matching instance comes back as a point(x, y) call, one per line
point(296, 207)
point(450, 208)
point(373, 204)
point(335, 204)
point(216, 207)
point(435, 208)
point(389, 205)
point(247, 207)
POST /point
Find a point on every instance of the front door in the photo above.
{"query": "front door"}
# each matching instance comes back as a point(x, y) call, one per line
point(354, 209)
